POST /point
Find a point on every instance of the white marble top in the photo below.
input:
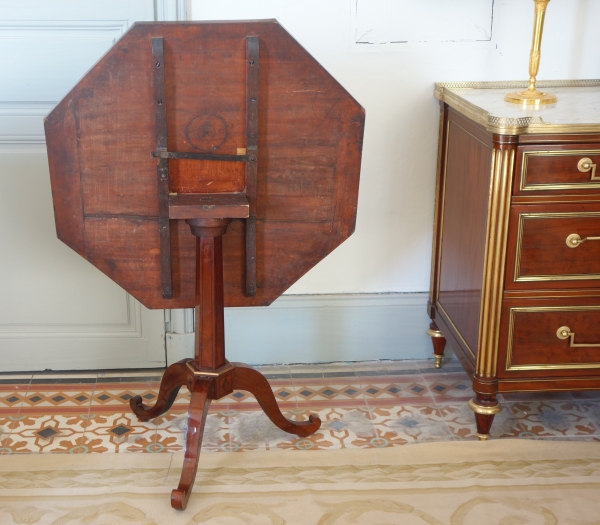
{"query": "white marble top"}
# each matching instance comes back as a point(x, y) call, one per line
point(577, 108)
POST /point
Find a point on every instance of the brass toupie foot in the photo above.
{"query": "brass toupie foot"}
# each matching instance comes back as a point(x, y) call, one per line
point(439, 342)
point(484, 416)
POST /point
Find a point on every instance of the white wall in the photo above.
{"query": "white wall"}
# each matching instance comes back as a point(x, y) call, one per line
point(391, 248)
point(390, 251)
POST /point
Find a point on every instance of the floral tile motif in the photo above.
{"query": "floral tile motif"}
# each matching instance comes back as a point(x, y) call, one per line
point(5, 429)
point(46, 432)
point(545, 419)
point(80, 445)
point(26, 421)
point(119, 431)
point(369, 404)
point(13, 421)
point(14, 445)
point(318, 441)
point(340, 428)
point(461, 421)
point(156, 444)
point(404, 424)
point(347, 427)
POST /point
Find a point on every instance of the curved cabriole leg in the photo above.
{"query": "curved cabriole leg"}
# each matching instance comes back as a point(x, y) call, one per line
point(250, 380)
point(439, 343)
point(174, 377)
point(485, 407)
point(199, 406)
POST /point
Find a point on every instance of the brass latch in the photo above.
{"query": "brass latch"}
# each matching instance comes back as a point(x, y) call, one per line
point(575, 240)
point(586, 164)
point(564, 332)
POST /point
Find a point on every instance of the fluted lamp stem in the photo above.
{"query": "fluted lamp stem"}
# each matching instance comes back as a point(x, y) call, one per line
point(532, 96)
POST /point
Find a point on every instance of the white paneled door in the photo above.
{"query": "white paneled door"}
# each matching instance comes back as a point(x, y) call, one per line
point(57, 311)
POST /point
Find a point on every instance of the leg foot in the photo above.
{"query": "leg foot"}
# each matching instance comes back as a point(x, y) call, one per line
point(246, 378)
point(485, 408)
point(174, 377)
point(199, 406)
point(439, 343)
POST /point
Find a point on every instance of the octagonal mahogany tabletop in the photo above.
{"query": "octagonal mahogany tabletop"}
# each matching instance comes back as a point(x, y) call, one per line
point(102, 136)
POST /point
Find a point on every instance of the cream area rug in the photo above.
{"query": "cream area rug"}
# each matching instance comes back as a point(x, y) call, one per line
point(502, 482)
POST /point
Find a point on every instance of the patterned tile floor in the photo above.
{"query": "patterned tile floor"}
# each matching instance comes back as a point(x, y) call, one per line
point(365, 404)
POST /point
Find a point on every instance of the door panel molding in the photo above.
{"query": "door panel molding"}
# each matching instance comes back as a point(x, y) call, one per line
point(22, 122)
point(130, 327)
point(47, 46)
point(73, 28)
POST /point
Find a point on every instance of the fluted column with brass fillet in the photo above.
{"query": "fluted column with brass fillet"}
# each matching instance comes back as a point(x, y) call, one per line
point(485, 382)
point(209, 375)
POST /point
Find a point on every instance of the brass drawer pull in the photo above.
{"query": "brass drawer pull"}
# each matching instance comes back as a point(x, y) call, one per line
point(564, 332)
point(575, 240)
point(586, 164)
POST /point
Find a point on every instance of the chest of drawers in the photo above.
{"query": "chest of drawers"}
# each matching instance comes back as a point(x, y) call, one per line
point(515, 278)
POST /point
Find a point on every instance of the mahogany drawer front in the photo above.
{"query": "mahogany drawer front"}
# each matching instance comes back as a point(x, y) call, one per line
point(552, 340)
point(554, 246)
point(558, 169)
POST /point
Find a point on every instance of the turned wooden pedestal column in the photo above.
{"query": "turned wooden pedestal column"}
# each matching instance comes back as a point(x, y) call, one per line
point(209, 375)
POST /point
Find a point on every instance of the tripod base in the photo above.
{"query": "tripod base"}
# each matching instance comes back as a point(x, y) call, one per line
point(206, 385)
